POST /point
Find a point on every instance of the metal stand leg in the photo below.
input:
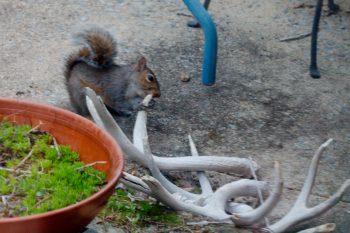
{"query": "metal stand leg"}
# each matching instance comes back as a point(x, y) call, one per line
point(314, 72)
point(194, 23)
point(333, 8)
point(210, 46)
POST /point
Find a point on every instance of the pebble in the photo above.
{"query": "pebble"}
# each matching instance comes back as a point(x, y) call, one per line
point(184, 77)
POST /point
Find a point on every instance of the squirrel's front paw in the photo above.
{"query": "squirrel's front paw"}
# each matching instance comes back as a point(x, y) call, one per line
point(142, 107)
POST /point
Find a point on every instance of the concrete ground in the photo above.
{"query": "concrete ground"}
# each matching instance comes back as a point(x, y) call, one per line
point(264, 104)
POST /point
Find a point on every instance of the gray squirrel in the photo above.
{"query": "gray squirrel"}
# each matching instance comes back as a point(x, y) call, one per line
point(121, 87)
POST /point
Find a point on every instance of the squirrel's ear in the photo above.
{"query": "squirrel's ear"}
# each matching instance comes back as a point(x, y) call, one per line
point(141, 64)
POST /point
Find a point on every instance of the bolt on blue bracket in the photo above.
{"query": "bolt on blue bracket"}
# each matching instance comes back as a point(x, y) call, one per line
point(210, 40)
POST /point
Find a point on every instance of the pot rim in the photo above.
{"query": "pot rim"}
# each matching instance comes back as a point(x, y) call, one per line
point(108, 139)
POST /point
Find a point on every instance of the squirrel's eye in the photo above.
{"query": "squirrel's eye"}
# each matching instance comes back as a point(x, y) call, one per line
point(150, 77)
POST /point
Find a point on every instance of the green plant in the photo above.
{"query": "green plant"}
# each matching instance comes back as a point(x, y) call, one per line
point(37, 175)
point(122, 210)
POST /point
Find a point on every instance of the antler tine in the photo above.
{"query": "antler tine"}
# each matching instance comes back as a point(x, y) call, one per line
point(105, 120)
point(325, 228)
point(256, 215)
point(203, 179)
point(310, 178)
point(300, 212)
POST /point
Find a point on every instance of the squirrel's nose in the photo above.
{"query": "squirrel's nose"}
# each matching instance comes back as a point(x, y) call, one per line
point(156, 94)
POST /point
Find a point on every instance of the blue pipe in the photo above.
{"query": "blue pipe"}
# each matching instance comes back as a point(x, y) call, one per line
point(211, 40)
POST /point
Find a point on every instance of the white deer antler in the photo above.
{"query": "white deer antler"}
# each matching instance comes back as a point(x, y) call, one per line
point(214, 204)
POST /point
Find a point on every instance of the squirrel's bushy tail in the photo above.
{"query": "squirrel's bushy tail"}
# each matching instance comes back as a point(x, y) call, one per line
point(98, 50)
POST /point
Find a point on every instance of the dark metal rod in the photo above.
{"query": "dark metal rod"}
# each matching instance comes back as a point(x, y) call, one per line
point(314, 71)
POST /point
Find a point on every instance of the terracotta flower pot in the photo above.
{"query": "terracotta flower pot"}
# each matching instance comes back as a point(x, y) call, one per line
point(92, 143)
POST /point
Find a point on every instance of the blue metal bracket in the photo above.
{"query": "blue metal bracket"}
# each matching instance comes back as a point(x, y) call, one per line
point(211, 40)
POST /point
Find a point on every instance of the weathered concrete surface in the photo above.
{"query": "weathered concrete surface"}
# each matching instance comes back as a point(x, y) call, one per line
point(264, 104)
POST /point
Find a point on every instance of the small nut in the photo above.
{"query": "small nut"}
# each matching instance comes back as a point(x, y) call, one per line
point(184, 77)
